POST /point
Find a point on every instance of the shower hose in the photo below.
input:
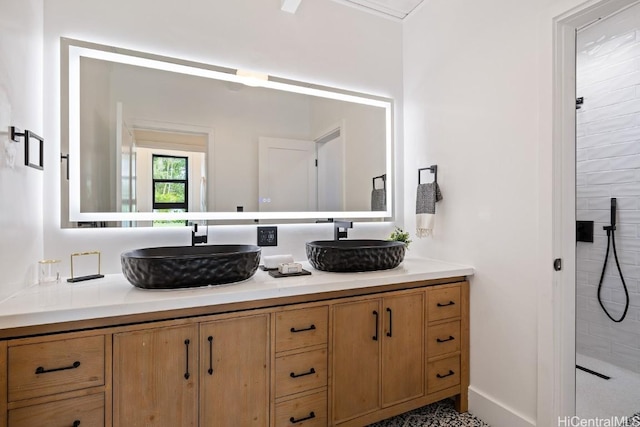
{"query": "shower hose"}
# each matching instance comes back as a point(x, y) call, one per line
point(611, 242)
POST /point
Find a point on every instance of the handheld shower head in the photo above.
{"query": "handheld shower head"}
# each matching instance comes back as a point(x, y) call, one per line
point(613, 212)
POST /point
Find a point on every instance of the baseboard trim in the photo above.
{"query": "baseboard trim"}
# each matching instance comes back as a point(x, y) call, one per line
point(495, 413)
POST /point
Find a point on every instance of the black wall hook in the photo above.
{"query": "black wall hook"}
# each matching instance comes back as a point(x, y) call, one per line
point(433, 169)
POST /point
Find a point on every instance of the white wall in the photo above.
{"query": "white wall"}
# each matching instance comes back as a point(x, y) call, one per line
point(478, 102)
point(20, 106)
point(324, 42)
point(608, 165)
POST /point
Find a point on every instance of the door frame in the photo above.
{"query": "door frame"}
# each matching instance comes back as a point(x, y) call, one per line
point(324, 137)
point(556, 309)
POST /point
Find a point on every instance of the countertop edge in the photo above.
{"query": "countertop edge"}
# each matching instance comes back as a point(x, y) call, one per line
point(115, 297)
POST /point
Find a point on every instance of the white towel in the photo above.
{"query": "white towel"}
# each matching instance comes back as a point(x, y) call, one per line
point(426, 198)
point(273, 261)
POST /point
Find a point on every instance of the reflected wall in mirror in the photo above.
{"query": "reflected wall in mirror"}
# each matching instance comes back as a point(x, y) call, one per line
point(250, 148)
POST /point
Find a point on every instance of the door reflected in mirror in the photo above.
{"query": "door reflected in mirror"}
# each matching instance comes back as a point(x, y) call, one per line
point(260, 149)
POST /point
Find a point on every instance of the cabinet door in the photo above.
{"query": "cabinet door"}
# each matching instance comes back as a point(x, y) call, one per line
point(356, 358)
point(234, 372)
point(403, 348)
point(155, 377)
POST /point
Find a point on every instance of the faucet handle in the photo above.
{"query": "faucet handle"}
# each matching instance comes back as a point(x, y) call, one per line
point(340, 229)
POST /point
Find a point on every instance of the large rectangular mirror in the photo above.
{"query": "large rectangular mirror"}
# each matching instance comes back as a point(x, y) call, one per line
point(156, 140)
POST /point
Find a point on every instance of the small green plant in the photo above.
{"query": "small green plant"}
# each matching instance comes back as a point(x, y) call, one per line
point(399, 235)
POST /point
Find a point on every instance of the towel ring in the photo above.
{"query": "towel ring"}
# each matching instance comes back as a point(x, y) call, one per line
point(434, 171)
point(384, 181)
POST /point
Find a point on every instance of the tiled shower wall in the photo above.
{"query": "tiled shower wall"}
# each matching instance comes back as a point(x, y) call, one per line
point(608, 165)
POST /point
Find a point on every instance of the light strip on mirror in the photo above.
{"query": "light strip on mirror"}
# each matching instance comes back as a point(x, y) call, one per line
point(78, 52)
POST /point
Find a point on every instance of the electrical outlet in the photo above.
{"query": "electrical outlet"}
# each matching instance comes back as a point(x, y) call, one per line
point(267, 236)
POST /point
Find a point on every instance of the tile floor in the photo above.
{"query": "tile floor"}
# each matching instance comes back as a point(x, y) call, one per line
point(600, 398)
point(439, 414)
point(595, 398)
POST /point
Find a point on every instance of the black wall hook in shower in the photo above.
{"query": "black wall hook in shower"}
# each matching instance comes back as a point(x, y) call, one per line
point(433, 169)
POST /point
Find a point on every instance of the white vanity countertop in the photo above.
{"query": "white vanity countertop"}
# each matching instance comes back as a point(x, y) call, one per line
point(114, 296)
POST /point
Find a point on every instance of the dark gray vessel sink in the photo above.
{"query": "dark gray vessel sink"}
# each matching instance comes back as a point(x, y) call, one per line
point(355, 255)
point(189, 266)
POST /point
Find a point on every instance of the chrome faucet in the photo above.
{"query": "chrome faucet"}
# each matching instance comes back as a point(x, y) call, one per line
point(340, 229)
point(197, 239)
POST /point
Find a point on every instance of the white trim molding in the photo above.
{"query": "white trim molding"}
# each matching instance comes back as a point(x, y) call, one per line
point(556, 306)
point(496, 413)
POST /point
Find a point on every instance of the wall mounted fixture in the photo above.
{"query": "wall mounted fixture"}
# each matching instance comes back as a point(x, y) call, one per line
point(65, 157)
point(383, 178)
point(433, 169)
point(29, 137)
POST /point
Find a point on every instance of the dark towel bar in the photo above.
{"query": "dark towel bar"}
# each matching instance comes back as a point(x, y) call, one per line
point(384, 181)
point(434, 171)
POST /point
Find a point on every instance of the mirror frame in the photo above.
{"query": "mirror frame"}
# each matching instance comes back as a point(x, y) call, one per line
point(73, 50)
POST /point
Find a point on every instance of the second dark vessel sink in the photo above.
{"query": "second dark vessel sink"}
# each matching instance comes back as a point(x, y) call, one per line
point(189, 266)
point(354, 255)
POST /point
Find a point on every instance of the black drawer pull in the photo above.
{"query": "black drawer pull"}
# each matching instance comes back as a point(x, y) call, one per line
point(187, 374)
point(445, 305)
point(445, 375)
point(311, 372)
point(41, 370)
point(76, 423)
point(446, 339)
point(375, 314)
point(310, 328)
point(311, 416)
point(210, 371)
point(390, 333)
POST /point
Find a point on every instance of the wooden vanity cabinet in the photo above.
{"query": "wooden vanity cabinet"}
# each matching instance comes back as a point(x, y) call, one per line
point(398, 351)
point(349, 358)
point(206, 373)
point(300, 374)
point(378, 352)
point(155, 377)
point(234, 372)
point(56, 380)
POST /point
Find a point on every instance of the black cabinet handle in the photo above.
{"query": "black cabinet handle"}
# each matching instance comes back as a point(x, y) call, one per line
point(76, 423)
point(310, 328)
point(311, 372)
point(375, 314)
point(210, 371)
point(41, 370)
point(390, 322)
point(445, 305)
point(187, 374)
point(445, 375)
point(446, 339)
point(311, 416)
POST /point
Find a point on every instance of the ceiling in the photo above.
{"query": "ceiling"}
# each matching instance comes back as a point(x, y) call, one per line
point(396, 8)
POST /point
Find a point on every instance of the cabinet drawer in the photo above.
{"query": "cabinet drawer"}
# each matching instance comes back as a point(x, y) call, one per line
point(443, 374)
point(309, 411)
point(300, 372)
point(301, 328)
point(88, 410)
point(54, 367)
point(444, 303)
point(443, 339)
